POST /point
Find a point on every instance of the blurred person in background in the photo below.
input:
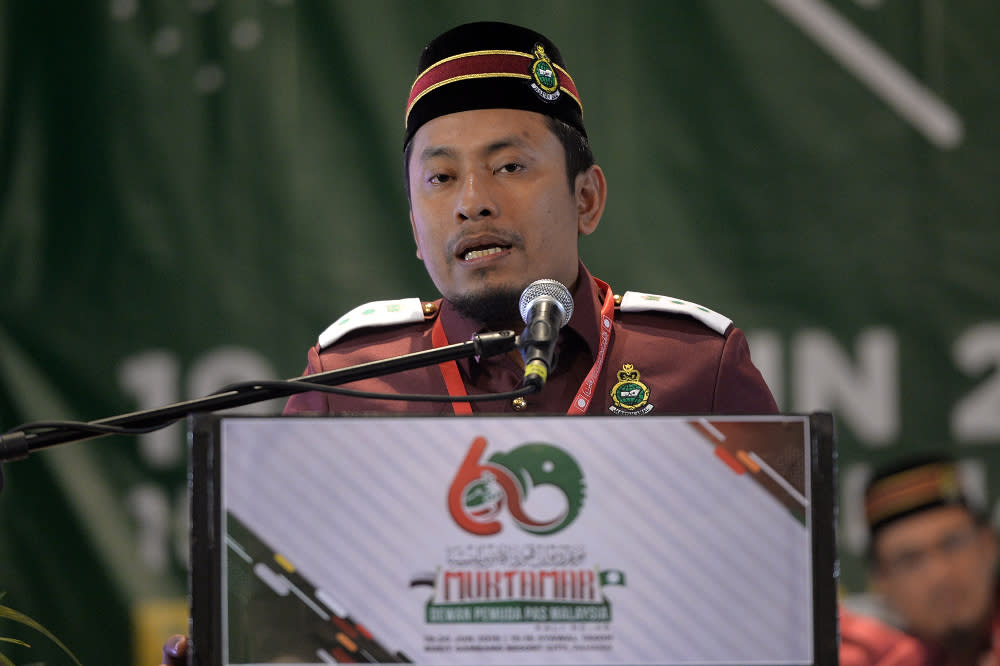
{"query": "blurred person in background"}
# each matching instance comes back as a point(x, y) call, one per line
point(933, 560)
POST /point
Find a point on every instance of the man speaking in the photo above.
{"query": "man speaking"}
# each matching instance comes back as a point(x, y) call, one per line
point(501, 184)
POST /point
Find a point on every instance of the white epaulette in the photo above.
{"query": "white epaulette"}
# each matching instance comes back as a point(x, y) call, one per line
point(376, 313)
point(636, 301)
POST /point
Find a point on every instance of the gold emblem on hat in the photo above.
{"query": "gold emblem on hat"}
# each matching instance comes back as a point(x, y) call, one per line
point(545, 81)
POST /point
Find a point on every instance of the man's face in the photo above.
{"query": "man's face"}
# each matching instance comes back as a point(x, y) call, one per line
point(491, 206)
point(936, 569)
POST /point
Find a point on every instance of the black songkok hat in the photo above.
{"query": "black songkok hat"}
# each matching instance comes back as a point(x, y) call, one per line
point(491, 65)
point(911, 486)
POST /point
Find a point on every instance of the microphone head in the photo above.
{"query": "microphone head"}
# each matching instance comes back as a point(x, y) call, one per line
point(551, 289)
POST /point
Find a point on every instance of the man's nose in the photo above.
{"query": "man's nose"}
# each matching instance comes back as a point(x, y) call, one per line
point(475, 201)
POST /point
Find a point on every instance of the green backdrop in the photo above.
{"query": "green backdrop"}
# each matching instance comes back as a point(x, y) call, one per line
point(191, 191)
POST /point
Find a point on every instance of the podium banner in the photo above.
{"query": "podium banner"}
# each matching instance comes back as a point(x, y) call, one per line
point(498, 540)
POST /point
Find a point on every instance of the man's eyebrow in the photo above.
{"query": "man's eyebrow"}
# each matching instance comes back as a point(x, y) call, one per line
point(493, 147)
point(436, 151)
point(513, 141)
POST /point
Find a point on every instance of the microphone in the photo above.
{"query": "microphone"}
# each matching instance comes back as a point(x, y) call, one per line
point(546, 306)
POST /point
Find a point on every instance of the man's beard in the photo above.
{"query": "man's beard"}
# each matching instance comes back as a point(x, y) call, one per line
point(496, 307)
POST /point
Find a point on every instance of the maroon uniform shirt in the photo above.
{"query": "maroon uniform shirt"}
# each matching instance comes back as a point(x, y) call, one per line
point(865, 641)
point(687, 367)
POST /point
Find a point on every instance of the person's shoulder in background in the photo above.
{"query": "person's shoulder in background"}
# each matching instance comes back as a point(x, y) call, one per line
point(867, 641)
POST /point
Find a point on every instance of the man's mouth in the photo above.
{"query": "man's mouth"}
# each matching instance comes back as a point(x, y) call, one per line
point(480, 252)
point(482, 246)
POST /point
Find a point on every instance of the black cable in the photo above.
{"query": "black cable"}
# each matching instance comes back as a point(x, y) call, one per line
point(35, 427)
point(413, 397)
point(82, 426)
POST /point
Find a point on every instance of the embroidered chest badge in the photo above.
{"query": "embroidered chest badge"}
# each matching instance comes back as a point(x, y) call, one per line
point(630, 396)
point(544, 80)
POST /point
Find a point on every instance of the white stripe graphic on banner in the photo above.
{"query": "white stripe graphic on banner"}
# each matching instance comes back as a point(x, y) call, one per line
point(859, 55)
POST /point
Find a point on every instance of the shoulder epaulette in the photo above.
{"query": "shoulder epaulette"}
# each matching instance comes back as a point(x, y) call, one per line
point(637, 301)
point(376, 313)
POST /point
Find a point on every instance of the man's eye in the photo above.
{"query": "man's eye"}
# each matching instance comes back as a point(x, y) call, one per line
point(512, 167)
point(906, 561)
point(439, 178)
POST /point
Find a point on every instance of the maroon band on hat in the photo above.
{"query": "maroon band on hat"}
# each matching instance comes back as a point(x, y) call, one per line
point(901, 493)
point(482, 65)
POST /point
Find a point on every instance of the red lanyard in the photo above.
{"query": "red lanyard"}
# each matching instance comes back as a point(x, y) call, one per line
point(581, 402)
point(449, 370)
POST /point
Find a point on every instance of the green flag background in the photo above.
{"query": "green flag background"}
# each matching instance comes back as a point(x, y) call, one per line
point(190, 191)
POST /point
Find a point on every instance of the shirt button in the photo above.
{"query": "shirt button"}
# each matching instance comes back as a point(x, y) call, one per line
point(520, 404)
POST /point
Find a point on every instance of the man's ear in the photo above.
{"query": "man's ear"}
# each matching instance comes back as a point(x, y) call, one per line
point(591, 193)
point(990, 545)
point(873, 568)
point(416, 241)
point(877, 581)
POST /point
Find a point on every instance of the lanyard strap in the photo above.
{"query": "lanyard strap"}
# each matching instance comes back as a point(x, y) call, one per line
point(585, 393)
point(449, 370)
point(456, 387)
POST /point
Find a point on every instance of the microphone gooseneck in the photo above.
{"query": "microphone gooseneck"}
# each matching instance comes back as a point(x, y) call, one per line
point(546, 306)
